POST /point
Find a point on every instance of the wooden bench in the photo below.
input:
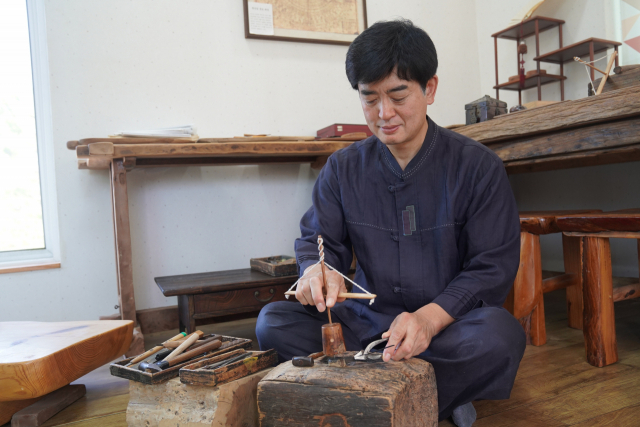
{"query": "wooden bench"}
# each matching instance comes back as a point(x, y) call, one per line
point(222, 293)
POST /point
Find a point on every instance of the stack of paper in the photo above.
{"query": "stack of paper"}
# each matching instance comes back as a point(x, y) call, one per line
point(186, 131)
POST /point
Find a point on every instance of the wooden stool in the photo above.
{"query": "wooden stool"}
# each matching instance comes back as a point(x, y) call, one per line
point(390, 394)
point(38, 358)
point(525, 300)
point(594, 231)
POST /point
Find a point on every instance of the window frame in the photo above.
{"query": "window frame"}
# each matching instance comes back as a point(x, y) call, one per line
point(49, 257)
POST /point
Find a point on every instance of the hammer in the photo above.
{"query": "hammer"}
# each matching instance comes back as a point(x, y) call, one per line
point(155, 349)
point(305, 361)
point(164, 364)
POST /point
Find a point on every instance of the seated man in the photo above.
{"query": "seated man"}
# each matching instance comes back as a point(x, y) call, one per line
point(433, 223)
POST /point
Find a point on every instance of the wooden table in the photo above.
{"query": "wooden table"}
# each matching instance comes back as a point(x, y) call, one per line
point(590, 131)
point(221, 293)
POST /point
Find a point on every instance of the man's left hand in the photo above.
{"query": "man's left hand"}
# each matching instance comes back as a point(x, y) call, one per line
point(414, 331)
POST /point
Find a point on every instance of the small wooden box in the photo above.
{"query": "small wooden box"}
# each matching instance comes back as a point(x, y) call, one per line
point(198, 373)
point(360, 394)
point(119, 369)
point(277, 266)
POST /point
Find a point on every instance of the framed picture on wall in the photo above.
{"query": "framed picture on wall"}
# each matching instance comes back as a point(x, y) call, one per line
point(309, 21)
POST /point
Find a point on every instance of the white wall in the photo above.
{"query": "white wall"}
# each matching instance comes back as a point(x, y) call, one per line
point(124, 65)
point(607, 187)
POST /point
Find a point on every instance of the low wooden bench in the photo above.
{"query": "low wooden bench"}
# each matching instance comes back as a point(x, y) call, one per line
point(222, 293)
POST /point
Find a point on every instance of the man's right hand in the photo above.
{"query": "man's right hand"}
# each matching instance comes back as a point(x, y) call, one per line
point(310, 289)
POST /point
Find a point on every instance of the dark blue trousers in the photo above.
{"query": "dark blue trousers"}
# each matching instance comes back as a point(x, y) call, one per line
point(475, 358)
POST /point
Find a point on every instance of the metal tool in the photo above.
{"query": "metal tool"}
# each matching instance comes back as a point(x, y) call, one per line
point(367, 354)
point(306, 361)
point(164, 364)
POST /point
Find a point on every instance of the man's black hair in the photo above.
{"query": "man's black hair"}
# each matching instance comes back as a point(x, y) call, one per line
point(375, 53)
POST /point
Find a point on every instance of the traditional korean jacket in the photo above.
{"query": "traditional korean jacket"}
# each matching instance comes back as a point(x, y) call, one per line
point(444, 230)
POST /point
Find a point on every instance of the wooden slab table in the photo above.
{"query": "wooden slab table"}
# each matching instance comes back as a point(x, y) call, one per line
point(590, 131)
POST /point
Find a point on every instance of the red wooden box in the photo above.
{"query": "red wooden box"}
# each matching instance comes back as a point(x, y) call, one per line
point(339, 129)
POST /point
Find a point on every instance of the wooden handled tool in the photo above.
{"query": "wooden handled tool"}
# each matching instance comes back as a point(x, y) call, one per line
point(164, 364)
point(306, 361)
point(176, 344)
point(190, 340)
point(344, 295)
point(156, 349)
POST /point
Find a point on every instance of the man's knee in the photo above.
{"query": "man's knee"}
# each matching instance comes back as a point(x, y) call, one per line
point(501, 338)
point(270, 321)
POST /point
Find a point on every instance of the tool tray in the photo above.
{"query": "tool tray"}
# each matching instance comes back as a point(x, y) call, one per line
point(198, 373)
point(119, 369)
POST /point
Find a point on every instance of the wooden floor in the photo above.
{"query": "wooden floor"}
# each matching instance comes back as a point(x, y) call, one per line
point(555, 386)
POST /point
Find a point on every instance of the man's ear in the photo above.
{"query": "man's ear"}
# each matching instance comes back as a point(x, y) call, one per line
point(430, 90)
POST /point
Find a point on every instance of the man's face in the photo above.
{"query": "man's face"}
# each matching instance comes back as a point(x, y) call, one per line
point(396, 109)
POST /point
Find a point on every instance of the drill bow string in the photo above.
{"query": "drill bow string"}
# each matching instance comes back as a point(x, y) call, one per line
point(321, 252)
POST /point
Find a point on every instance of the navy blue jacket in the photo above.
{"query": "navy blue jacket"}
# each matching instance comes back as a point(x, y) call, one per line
point(444, 230)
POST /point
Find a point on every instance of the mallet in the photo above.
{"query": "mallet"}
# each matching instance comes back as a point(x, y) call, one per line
point(164, 364)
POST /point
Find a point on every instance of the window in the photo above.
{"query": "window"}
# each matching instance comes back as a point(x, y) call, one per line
point(28, 214)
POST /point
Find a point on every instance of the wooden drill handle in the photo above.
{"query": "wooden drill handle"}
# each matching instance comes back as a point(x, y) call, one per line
point(195, 352)
point(155, 349)
point(190, 340)
point(344, 295)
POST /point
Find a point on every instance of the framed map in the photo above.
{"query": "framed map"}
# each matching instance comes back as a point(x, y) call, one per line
point(311, 21)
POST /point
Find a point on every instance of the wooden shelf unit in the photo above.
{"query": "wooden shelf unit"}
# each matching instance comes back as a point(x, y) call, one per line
point(531, 81)
point(527, 28)
point(590, 47)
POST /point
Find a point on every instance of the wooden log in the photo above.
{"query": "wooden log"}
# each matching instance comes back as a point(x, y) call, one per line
point(595, 137)
point(391, 394)
point(544, 222)
point(572, 254)
point(563, 115)
point(46, 356)
point(599, 321)
point(173, 403)
point(626, 292)
point(600, 222)
point(54, 402)
point(276, 148)
point(575, 160)
point(558, 282)
point(120, 204)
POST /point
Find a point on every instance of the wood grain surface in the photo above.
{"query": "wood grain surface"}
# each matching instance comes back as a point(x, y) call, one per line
point(362, 394)
point(572, 254)
point(37, 358)
point(568, 114)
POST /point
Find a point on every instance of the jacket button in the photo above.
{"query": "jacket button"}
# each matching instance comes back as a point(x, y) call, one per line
point(391, 188)
point(394, 237)
point(397, 290)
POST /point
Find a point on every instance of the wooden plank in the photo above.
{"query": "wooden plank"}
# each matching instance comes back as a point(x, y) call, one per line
point(4, 270)
point(225, 161)
point(118, 419)
point(218, 281)
point(558, 282)
point(576, 160)
point(563, 115)
point(595, 137)
point(622, 417)
point(101, 148)
point(572, 254)
point(122, 232)
point(598, 318)
point(614, 234)
point(7, 409)
point(37, 358)
point(48, 406)
point(276, 148)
